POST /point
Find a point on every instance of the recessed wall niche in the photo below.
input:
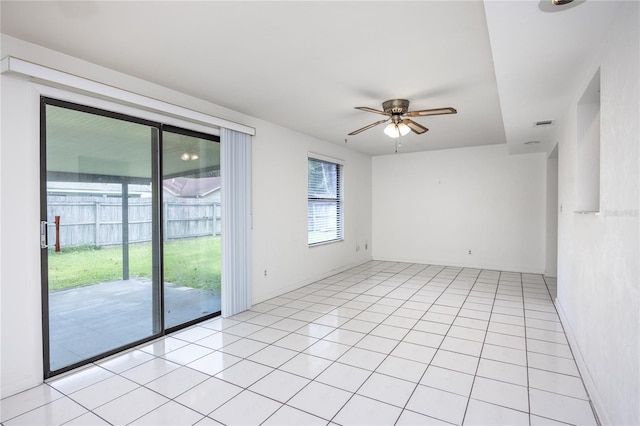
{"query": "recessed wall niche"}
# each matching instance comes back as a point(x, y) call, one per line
point(588, 149)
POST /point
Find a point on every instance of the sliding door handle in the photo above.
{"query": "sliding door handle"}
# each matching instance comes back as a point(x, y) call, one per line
point(43, 234)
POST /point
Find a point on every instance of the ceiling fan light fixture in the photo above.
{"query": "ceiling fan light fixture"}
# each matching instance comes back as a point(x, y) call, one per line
point(395, 130)
point(392, 130)
point(187, 156)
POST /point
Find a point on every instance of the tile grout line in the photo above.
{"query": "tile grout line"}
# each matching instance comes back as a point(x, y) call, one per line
point(365, 335)
point(332, 363)
point(388, 354)
point(278, 368)
point(593, 410)
point(526, 346)
point(443, 290)
point(475, 375)
point(438, 348)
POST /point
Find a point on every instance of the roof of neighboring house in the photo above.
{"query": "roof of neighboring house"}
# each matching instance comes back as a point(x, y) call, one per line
point(191, 187)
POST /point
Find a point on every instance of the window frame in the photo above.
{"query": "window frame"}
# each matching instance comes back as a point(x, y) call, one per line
point(338, 200)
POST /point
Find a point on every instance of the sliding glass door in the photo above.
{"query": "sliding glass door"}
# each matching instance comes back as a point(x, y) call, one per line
point(191, 222)
point(101, 213)
point(113, 223)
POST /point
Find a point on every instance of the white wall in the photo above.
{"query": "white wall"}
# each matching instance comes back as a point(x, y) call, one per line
point(599, 256)
point(280, 213)
point(279, 206)
point(20, 309)
point(433, 207)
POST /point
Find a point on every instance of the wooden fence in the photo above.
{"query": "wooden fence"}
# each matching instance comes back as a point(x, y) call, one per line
point(97, 221)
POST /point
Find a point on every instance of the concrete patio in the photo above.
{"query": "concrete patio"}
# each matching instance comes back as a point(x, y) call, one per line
point(87, 321)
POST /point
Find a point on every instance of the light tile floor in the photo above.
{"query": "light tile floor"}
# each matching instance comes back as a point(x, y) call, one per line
point(383, 343)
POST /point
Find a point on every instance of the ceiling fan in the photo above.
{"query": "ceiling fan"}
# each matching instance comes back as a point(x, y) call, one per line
point(397, 110)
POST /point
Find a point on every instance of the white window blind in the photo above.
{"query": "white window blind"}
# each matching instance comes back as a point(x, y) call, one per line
point(235, 150)
point(324, 212)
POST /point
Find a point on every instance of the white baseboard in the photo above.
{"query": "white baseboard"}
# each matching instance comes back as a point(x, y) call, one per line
point(311, 280)
point(596, 401)
point(472, 265)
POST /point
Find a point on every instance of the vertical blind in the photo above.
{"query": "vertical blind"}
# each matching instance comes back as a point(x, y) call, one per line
point(324, 211)
point(235, 150)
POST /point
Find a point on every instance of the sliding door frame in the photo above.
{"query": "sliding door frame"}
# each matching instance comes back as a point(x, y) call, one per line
point(200, 135)
point(157, 231)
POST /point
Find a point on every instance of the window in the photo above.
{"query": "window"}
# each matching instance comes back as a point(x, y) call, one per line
point(324, 212)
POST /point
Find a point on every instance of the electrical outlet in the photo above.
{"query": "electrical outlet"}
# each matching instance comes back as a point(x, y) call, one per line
point(366, 245)
point(265, 272)
point(469, 251)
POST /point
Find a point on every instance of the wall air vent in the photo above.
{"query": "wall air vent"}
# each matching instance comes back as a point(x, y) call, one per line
point(543, 123)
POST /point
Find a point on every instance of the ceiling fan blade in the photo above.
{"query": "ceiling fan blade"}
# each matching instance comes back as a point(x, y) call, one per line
point(415, 127)
point(355, 132)
point(435, 111)
point(367, 109)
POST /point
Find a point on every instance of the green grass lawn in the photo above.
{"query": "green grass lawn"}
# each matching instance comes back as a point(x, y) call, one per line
point(191, 262)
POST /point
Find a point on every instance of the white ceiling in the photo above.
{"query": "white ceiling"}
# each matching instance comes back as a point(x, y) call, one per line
point(305, 65)
point(540, 60)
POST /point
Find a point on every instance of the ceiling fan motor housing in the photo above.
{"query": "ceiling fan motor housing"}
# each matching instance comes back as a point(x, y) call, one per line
point(396, 106)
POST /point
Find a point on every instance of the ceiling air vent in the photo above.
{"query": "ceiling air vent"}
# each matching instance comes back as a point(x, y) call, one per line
point(543, 123)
